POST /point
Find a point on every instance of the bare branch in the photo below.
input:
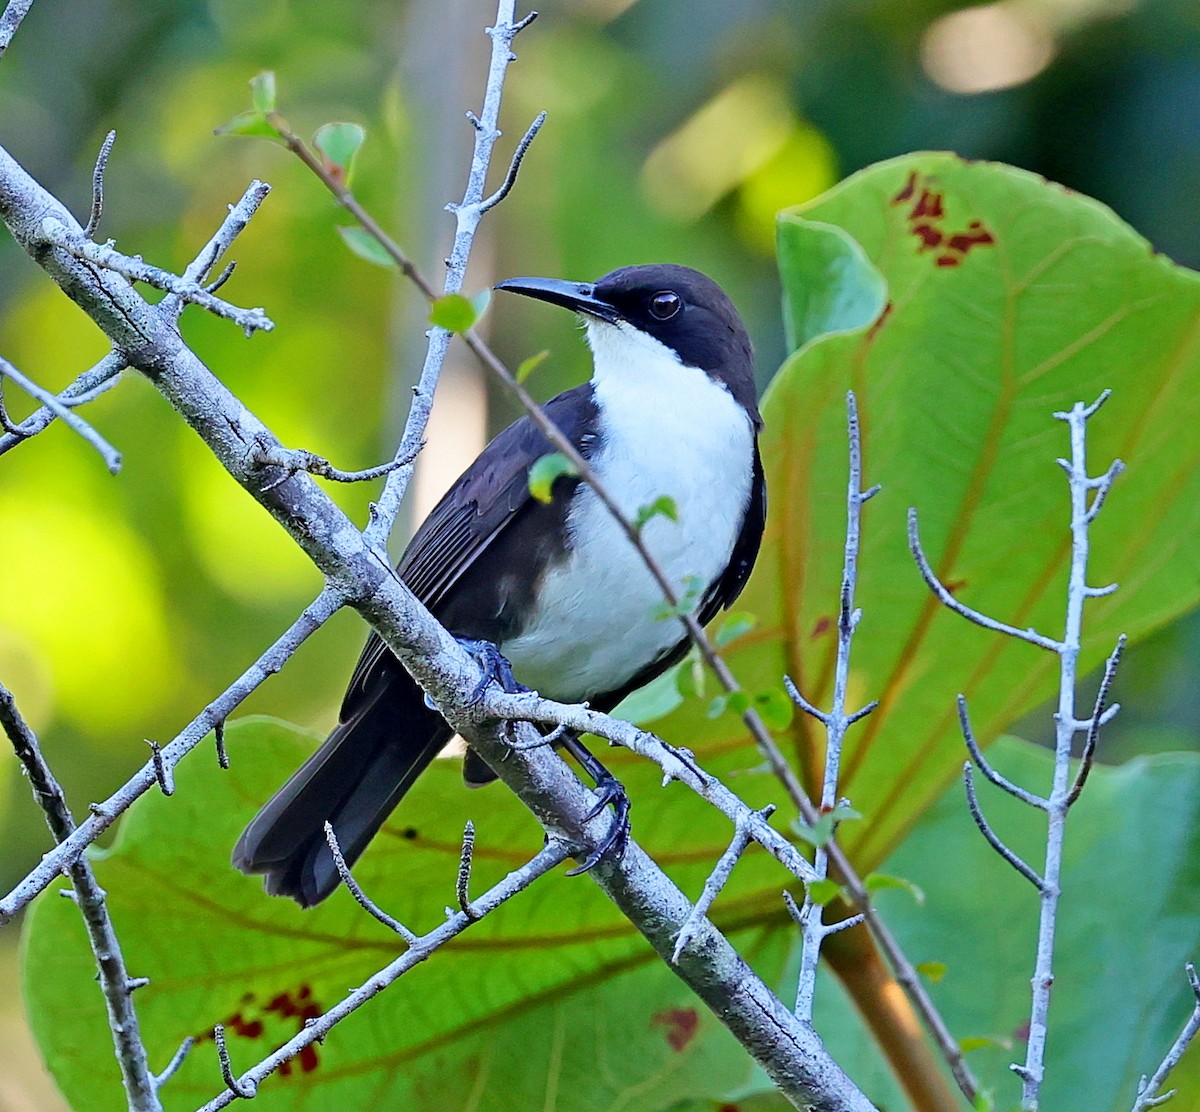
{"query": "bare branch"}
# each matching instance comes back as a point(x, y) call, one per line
point(514, 167)
point(1148, 1090)
point(991, 836)
point(982, 763)
point(363, 899)
point(239, 1088)
point(176, 1061)
point(103, 815)
point(141, 1087)
point(717, 880)
point(948, 600)
point(60, 235)
point(292, 460)
point(111, 457)
point(14, 12)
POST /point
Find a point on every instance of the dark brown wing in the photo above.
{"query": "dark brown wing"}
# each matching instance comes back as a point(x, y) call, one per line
point(488, 510)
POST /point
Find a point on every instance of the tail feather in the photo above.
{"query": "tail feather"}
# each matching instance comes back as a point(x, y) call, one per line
point(354, 781)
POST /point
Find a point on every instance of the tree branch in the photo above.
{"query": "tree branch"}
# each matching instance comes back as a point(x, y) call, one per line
point(141, 1086)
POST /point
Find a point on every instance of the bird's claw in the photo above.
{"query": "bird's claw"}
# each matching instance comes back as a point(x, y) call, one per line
point(609, 791)
point(495, 666)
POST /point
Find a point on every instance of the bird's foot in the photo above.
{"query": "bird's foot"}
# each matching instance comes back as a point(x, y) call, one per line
point(610, 792)
point(495, 666)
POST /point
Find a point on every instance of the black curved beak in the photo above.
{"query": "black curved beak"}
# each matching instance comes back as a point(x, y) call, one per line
point(577, 296)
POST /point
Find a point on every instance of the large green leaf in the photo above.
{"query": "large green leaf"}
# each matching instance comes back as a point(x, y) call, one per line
point(1035, 297)
point(1129, 920)
point(553, 1001)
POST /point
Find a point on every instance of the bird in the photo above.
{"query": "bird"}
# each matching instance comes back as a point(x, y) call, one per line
point(555, 589)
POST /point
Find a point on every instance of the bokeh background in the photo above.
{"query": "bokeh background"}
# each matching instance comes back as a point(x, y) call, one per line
point(676, 129)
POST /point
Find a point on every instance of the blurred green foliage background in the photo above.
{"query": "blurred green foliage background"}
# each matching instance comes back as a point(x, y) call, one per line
point(676, 129)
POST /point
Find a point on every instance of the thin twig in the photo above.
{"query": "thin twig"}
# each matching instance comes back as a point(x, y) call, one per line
point(103, 255)
point(105, 374)
point(292, 460)
point(517, 881)
point(717, 879)
point(111, 457)
point(356, 891)
point(1149, 1090)
point(514, 166)
point(1087, 756)
point(98, 184)
point(948, 600)
point(985, 767)
point(462, 885)
point(141, 1087)
point(246, 1089)
point(14, 12)
point(993, 839)
point(103, 815)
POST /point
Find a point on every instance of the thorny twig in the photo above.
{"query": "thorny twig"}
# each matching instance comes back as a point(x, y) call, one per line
point(1087, 497)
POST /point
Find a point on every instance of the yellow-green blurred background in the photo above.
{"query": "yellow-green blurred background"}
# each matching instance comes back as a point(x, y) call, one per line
point(676, 129)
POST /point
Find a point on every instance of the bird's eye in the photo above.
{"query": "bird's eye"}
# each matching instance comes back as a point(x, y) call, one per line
point(664, 305)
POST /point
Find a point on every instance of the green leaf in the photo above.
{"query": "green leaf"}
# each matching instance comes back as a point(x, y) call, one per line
point(736, 625)
point(365, 245)
point(544, 473)
point(663, 506)
point(262, 92)
point(957, 383)
point(932, 971)
point(775, 708)
point(216, 947)
point(531, 364)
point(824, 891)
point(983, 1042)
point(249, 123)
point(339, 144)
point(457, 313)
point(877, 882)
point(822, 831)
point(1129, 919)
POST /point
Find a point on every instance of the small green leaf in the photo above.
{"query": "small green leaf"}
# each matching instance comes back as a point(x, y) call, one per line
point(822, 830)
point(528, 366)
point(878, 881)
point(739, 702)
point(735, 626)
point(545, 471)
point(262, 92)
point(932, 971)
point(717, 707)
point(824, 891)
point(774, 708)
point(980, 1042)
point(338, 144)
point(248, 123)
point(985, 1101)
point(663, 506)
point(454, 312)
point(365, 245)
point(691, 676)
point(692, 586)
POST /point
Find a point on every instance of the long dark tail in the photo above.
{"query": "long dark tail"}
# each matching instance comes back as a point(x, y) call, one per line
point(353, 781)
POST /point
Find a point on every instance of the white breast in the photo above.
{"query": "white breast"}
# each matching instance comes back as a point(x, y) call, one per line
point(671, 430)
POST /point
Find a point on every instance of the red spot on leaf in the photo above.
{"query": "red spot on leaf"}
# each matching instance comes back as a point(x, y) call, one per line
point(679, 1024)
point(910, 188)
point(928, 204)
point(926, 223)
point(822, 625)
point(298, 1004)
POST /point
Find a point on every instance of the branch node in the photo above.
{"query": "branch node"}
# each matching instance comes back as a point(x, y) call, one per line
point(166, 781)
point(244, 1089)
point(465, 861)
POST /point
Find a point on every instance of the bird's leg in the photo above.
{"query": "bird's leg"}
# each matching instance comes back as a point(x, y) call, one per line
point(610, 791)
point(496, 668)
